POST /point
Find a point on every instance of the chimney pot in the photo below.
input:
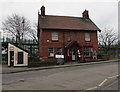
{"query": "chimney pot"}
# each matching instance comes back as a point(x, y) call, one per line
point(85, 14)
point(42, 10)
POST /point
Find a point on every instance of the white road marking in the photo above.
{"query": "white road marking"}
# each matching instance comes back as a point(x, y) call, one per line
point(91, 88)
point(103, 82)
point(111, 84)
point(113, 77)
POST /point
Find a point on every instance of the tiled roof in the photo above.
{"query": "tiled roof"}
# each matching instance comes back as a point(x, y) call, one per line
point(68, 45)
point(65, 22)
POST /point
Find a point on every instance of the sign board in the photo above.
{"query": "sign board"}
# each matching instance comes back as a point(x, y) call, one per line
point(59, 56)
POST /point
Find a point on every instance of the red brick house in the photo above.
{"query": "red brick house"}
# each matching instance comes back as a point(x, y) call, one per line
point(66, 36)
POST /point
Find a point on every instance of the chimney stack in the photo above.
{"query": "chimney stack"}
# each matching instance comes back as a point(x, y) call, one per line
point(42, 10)
point(85, 14)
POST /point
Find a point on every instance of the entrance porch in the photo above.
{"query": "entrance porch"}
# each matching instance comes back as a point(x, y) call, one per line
point(73, 52)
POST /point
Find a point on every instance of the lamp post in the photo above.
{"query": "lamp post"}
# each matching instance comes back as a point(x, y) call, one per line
point(0, 50)
point(21, 35)
point(22, 32)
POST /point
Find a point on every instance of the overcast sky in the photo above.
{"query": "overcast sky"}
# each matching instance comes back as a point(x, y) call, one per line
point(103, 14)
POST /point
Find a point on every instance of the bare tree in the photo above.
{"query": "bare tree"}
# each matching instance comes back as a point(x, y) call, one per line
point(107, 38)
point(33, 33)
point(16, 25)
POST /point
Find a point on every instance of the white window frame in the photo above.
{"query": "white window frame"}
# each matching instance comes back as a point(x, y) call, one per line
point(88, 51)
point(54, 36)
point(87, 36)
point(51, 52)
point(59, 51)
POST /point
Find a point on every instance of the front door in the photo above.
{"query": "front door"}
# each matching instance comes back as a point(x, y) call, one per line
point(73, 55)
point(11, 58)
point(20, 57)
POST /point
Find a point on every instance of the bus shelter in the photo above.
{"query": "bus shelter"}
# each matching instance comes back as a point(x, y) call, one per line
point(17, 56)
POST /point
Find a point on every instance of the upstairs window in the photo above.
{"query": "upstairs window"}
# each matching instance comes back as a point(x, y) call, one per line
point(50, 52)
point(87, 36)
point(54, 36)
point(68, 37)
point(75, 36)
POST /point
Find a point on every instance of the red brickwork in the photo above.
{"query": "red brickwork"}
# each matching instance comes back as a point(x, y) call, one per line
point(77, 26)
point(45, 41)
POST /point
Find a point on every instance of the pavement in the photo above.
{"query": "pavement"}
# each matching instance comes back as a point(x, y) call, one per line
point(8, 70)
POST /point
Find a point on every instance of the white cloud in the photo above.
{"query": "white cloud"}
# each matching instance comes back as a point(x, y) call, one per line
point(103, 13)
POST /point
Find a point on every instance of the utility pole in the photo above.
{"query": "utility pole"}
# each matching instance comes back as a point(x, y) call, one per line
point(0, 50)
point(21, 39)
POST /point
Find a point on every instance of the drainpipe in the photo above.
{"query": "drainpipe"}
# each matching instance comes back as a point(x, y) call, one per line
point(64, 45)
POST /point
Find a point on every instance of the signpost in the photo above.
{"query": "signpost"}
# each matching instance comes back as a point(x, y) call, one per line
point(59, 56)
point(60, 59)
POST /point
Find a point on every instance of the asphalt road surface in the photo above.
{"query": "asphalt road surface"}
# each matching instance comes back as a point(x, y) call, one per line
point(113, 85)
point(68, 78)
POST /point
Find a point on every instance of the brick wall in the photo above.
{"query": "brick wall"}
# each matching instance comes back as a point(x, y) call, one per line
point(45, 40)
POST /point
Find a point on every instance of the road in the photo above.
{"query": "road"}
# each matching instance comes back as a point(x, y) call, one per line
point(113, 85)
point(69, 78)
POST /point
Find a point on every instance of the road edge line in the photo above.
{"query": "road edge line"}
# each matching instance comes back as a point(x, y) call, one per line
point(113, 77)
point(92, 88)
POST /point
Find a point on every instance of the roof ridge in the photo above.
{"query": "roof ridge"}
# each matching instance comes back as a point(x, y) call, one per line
point(62, 16)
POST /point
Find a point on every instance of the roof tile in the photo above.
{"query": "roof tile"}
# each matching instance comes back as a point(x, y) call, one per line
point(65, 22)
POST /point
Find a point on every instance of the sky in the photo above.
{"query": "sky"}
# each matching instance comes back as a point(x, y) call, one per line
point(119, 21)
point(103, 13)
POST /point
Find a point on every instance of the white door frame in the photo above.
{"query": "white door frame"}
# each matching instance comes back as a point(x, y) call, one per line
point(73, 55)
